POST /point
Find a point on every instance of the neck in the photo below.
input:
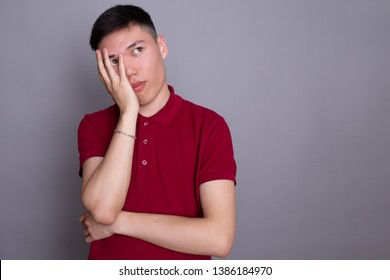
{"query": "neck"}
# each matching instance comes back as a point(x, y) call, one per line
point(154, 106)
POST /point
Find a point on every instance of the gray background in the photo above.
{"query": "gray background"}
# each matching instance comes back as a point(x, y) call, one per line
point(304, 86)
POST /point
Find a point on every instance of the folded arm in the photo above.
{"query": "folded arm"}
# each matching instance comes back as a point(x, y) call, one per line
point(213, 234)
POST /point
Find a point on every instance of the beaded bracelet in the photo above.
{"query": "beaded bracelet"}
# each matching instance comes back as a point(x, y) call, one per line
point(124, 133)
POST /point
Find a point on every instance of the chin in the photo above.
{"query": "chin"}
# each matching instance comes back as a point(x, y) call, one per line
point(143, 101)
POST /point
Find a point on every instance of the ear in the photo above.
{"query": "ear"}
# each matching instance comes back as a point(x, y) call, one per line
point(162, 44)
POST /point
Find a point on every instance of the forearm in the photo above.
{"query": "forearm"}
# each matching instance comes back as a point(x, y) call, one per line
point(212, 234)
point(104, 190)
point(201, 236)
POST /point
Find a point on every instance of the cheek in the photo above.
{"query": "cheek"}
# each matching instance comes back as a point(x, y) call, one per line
point(148, 66)
point(157, 66)
point(151, 66)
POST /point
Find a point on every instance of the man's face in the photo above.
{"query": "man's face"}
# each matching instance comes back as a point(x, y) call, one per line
point(143, 58)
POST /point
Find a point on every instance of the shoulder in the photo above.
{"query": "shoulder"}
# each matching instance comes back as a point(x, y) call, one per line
point(215, 154)
point(108, 113)
point(103, 117)
point(99, 123)
point(201, 114)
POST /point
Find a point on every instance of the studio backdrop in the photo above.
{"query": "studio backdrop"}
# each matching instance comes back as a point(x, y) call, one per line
point(304, 86)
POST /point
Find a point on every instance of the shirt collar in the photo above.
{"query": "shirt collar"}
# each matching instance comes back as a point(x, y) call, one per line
point(167, 114)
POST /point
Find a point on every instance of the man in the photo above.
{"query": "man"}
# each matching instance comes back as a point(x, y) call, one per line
point(158, 172)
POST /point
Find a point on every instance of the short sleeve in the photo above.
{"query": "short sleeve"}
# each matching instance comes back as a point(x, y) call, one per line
point(217, 156)
point(90, 142)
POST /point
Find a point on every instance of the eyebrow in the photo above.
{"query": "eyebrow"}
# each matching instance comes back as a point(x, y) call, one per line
point(129, 47)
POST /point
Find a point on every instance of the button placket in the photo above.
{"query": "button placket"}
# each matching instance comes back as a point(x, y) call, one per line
point(145, 148)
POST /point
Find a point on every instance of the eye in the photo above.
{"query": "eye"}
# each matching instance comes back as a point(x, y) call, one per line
point(137, 51)
point(114, 62)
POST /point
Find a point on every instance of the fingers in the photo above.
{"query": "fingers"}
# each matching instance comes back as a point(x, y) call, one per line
point(83, 218)
point(87, 236)
point(107, 73)
point(113, 76)
point(103, 76)
point(92, 230)
point(122, 70)
point(116, 81)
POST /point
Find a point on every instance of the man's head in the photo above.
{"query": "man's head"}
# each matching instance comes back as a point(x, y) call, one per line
point(129, 31)
point(120, 17)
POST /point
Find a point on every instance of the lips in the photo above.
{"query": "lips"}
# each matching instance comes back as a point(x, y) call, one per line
point(138, 86)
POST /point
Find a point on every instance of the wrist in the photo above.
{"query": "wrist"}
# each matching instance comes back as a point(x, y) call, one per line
point(119, 227)
point(129, 112)
point(127, 122)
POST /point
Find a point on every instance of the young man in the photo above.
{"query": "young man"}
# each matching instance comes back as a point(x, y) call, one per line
point(158, 172)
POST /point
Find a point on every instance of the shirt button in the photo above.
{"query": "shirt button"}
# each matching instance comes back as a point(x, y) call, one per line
point(145, 141)
point(146, 123)
point(144, 162)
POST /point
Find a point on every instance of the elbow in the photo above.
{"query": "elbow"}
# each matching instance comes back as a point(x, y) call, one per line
point(223, 251)
point(224, 245)
point(103, 216)
point(100, 214)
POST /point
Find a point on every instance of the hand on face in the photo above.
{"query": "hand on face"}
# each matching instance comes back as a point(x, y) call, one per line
point(117, 82)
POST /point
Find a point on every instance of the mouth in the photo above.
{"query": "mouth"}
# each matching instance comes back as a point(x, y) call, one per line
point(138, 87)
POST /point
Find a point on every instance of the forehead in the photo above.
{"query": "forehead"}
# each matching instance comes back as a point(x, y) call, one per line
point(119, 40)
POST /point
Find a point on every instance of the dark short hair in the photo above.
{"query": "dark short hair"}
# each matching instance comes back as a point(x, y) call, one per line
point(119, 17)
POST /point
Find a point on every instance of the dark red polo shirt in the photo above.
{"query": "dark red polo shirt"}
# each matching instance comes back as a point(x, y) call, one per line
point(177, 149)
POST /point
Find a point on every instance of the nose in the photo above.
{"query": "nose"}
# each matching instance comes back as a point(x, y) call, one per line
point(130, 67)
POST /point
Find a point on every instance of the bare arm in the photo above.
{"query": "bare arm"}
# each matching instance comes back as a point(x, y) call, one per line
point(213, 234)
point(106, 180)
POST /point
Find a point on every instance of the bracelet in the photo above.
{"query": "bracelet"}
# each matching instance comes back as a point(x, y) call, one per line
point(124, 133)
